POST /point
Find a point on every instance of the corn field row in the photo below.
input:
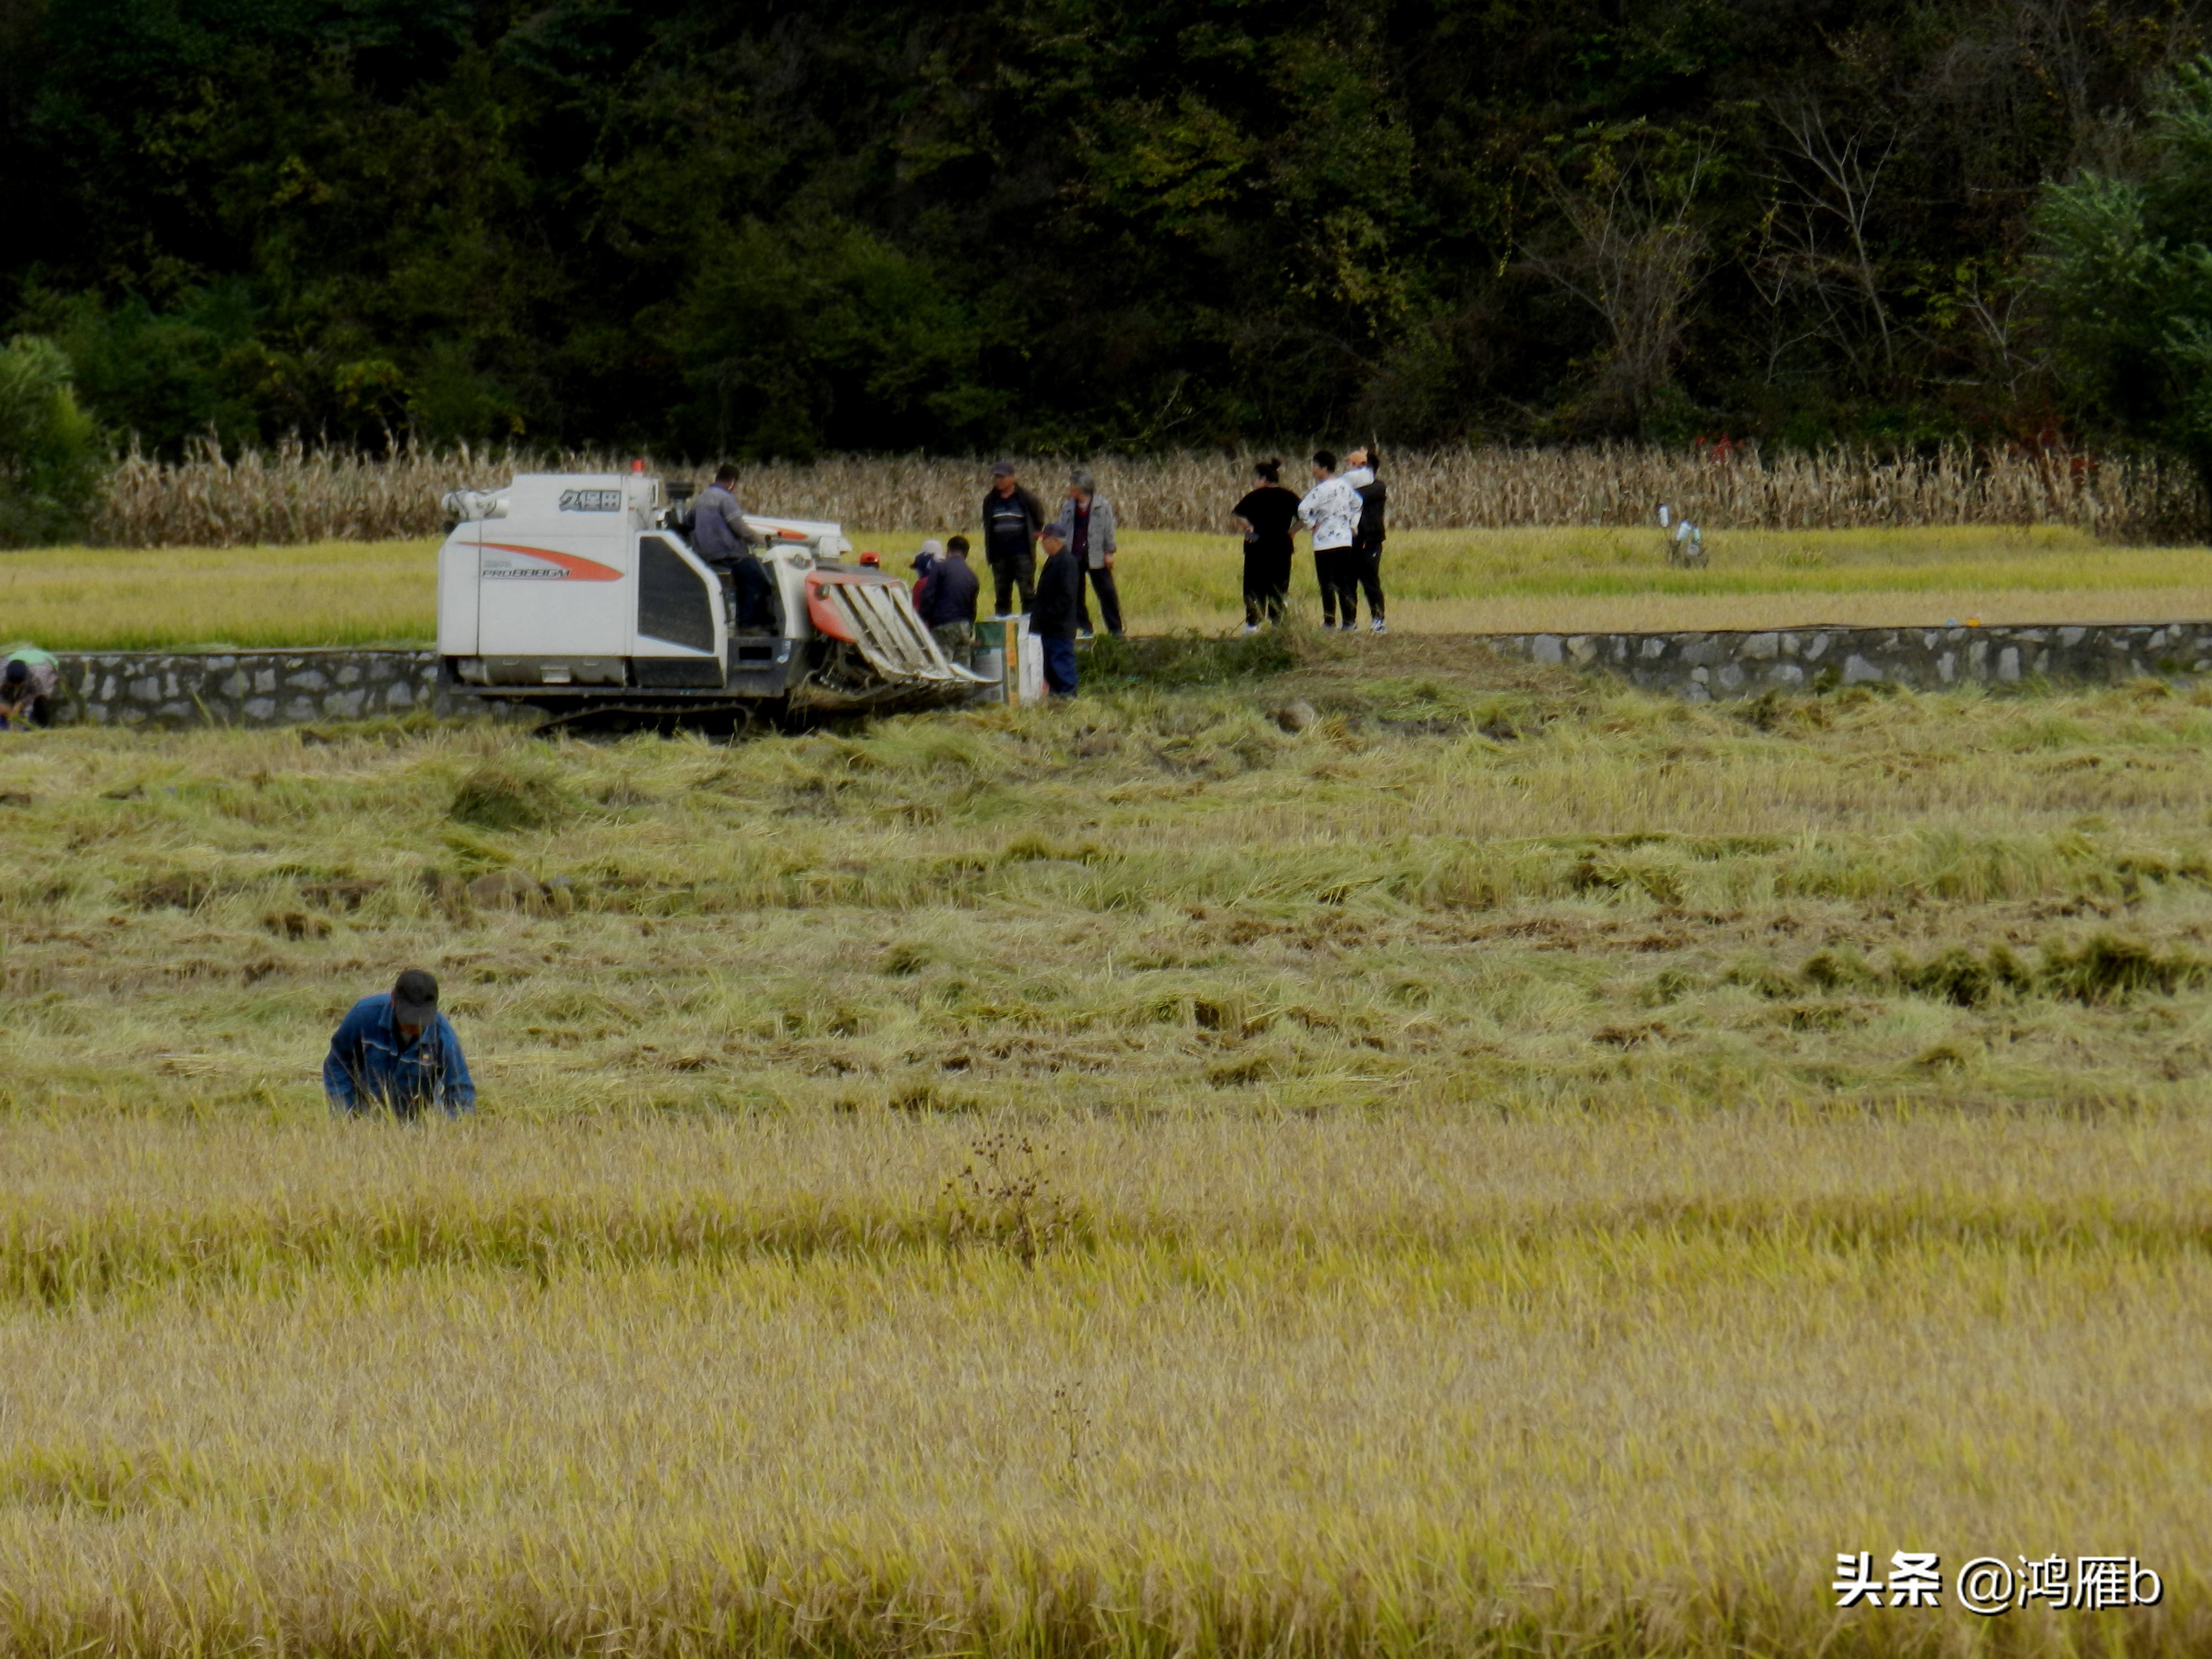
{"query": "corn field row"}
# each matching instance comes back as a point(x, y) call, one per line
point(295, 494)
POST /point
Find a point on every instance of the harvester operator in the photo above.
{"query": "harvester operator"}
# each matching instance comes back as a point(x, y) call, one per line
point(718, 532)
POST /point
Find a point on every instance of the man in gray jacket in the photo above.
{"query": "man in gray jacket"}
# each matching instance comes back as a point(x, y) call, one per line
point(718, 532)
point(1085, 527)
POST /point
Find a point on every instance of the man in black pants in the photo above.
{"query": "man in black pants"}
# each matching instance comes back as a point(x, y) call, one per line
point(1085, 526)
point(1011, 520)
point(718, 532)
point(1059, 604)
point(1365, 564)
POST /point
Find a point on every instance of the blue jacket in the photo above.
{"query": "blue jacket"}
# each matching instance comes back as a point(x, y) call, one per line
point(368, 1066)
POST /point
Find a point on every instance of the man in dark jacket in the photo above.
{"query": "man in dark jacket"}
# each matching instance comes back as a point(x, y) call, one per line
point(947, 601)
point(1011, 520)
point(1053, 617)
point(1366, 565)
point(396, 1051)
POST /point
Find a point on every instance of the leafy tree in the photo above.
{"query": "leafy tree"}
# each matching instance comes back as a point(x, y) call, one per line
point(793, 336)
point(952, 224)
point(2126, 269)
point(1633, 257)
point(51, 458)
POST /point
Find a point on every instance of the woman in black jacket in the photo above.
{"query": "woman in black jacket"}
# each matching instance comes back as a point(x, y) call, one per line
point(1265, 515)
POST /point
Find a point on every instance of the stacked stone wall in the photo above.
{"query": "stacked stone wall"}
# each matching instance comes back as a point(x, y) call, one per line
point(291, 688)
point(248, 688)
point(1741, 664)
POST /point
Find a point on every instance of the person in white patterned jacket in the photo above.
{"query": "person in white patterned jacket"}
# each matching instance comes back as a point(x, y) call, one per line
point(1331, 511)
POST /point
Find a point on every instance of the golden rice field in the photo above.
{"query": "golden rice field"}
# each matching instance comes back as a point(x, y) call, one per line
point(1486, 1163)
point(1440, 581)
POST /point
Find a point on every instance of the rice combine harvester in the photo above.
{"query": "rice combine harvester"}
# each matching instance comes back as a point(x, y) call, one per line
point(581, 593)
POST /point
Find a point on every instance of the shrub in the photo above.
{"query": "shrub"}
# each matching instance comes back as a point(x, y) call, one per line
point(51, 459)
point(2125, 267)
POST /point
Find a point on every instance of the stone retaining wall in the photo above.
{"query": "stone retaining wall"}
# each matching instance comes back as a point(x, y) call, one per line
point(1702, 666)
point(247, 688)
point(290, 688)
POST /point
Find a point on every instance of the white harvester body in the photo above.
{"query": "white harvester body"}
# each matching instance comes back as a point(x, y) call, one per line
point(583, 590)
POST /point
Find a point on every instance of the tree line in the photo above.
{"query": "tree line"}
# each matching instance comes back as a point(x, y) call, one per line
point(783, 229)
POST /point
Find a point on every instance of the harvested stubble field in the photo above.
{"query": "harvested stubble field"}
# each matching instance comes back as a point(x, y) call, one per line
point(1441, 581)
point(1504, 1166)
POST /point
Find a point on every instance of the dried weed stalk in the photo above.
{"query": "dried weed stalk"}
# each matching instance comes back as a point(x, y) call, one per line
point(1003, 1195)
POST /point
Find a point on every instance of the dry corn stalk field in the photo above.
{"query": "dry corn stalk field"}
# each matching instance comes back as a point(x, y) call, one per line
point(1482, 1163)
point(1459, 581)
point(297, 496)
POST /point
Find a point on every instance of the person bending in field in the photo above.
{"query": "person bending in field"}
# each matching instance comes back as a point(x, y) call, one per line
point(395, 1052)
point(28, 688)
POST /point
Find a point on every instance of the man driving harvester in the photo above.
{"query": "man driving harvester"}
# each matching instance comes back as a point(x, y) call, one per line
point(718, 532)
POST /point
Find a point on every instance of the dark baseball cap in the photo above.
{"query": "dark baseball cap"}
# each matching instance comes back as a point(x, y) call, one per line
point(415, 998)
point(1003, 469)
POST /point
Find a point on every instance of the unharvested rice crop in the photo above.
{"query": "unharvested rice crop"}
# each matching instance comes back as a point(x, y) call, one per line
point(1439, 581)
point(294, 495)
point(1411, 1154)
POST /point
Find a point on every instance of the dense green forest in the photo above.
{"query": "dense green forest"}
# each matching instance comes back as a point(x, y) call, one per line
point(776, 228)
